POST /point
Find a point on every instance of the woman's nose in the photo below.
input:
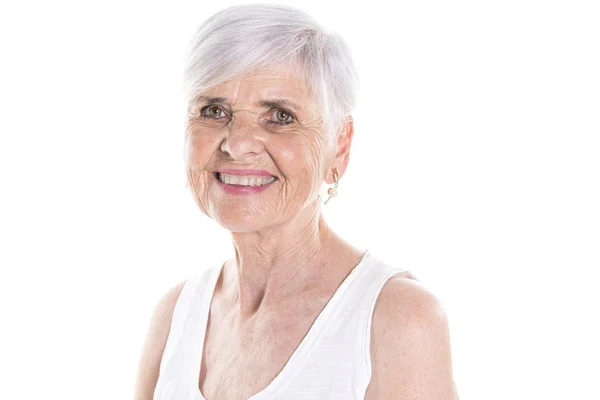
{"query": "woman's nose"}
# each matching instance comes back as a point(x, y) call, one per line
point(242, 139)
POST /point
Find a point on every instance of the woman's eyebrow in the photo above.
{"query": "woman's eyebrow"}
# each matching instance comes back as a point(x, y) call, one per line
point(279, 103)
point(276, 103)
point(212, 100)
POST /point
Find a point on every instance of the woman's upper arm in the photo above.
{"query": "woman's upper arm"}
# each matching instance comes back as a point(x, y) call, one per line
point(410, 345)
point(154, 345)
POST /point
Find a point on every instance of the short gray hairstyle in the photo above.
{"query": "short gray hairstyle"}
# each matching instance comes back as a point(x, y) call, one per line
point(239, 39)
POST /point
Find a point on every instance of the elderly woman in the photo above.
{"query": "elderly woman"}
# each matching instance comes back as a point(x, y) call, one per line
point(298, 313)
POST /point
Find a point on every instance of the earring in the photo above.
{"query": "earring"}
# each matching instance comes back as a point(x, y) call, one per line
point(332, 192)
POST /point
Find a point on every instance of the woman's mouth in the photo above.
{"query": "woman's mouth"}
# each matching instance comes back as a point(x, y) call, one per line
point(243, 184)
point(244, 180)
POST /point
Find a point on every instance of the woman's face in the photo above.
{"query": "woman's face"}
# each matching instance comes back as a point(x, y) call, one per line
point(266, 121)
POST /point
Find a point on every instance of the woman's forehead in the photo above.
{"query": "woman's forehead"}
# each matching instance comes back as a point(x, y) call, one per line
point(279, 82)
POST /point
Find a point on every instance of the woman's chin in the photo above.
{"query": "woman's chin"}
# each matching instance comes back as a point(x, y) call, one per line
point(240, 223)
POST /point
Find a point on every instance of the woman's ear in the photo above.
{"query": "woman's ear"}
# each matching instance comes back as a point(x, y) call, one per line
point(344, 143)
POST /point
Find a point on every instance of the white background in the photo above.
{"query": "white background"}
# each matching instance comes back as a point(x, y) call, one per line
point(475, 165)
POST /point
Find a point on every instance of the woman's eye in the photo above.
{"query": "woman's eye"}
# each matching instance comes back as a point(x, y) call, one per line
point(283, 117)
point(213, 112)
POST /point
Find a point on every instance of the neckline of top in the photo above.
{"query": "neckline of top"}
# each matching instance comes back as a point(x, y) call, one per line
point(287, 368)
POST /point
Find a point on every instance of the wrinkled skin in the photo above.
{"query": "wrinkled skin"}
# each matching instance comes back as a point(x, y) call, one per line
point(239, 133)
point(280, 238)
point(288, 263)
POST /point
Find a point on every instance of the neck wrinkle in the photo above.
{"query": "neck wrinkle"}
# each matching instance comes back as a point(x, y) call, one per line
point(273, 267)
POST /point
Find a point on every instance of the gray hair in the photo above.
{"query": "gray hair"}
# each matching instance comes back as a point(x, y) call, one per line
point(239, 39)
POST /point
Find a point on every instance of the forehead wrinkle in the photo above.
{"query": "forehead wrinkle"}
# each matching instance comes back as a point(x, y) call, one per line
point(236, 91)
point(281, 88)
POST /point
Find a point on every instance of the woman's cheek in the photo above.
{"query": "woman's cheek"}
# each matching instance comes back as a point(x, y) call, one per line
point(194, 153)
point(289, 149)
point(199, 147)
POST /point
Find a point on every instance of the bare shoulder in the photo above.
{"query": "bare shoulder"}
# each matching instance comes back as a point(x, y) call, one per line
point(410, 344)
point(404, 300)
point(154, 345)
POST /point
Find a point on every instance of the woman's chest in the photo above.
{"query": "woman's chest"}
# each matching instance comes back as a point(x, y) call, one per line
point(239, 361)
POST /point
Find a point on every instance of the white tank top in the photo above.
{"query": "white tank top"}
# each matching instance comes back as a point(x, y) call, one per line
point(332, 361)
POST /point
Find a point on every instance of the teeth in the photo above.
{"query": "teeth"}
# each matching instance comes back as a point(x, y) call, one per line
point(245, 180)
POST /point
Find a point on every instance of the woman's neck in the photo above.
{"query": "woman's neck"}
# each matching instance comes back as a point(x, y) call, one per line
point(272, 265)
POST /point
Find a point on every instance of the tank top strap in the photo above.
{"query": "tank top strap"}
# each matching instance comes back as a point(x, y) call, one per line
point(347, 335)
point(358, 298)
point(333, 361)
point(187, 305)
point(372, 281)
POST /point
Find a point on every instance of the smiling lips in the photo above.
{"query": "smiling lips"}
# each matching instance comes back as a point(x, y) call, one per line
point(245, 180)
point(237, 181)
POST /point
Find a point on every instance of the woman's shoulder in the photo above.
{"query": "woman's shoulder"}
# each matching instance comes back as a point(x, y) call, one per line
point(165, 307)
point(404, 299)
point(166, 320)
point(410, 338)
point(168, 300)
point(156, 339)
